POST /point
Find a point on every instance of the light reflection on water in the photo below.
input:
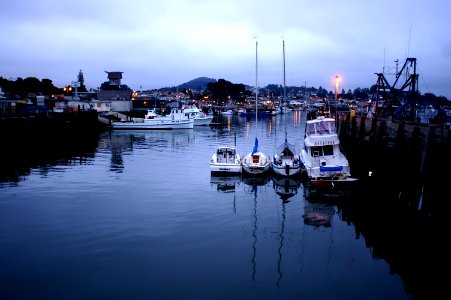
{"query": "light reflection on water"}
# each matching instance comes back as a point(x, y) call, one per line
point(143, 219)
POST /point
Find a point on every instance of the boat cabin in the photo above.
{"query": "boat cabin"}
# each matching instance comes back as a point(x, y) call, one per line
point(225, 154)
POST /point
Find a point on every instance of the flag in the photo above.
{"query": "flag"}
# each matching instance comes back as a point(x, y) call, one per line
point(255, 147)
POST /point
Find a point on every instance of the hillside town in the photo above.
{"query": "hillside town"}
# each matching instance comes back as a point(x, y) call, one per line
point(28, 96)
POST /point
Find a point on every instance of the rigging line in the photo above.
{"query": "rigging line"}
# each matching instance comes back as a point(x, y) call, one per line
point(422, 77)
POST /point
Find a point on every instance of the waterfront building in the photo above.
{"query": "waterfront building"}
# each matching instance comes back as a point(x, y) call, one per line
point(118, 94)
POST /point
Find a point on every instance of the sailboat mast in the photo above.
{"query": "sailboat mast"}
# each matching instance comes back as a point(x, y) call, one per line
point(256, 85)
point(284, 88)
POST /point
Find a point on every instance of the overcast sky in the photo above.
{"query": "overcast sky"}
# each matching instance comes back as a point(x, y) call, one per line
point(169, 42)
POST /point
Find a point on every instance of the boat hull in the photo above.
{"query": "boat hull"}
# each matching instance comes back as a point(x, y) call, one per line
point(256, 164)
point(323, 183)
point(287, 170)
point(224, 169)
point(225, 161)
point(203, 121)
point(157, 125)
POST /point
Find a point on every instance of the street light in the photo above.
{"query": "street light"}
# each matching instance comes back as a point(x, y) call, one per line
point(337, 81)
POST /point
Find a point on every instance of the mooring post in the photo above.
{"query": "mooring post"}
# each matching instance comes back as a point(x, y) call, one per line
point(373, 129)
point(425, 148)
point(353, 127)
point(381, 133)
point(362, 128)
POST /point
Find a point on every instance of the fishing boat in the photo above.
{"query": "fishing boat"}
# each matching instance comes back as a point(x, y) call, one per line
point(286, 162)
point(324, 162)
point(256, 163)
point(200, 118)
point(177, 119)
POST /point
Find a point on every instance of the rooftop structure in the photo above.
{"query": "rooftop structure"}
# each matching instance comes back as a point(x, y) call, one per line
point(114, 77)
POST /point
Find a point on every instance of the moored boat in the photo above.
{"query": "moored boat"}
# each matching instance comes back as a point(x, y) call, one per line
point(256, 162)
point(225, 160)
point(200, 118)
point(286, 162)
point(153, 121)
point(324, 162)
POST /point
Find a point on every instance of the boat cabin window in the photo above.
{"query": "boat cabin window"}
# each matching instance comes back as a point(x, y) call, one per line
point(310, 128)
point(324, 127)
point(322, 150)
point(328, 150)
point(226, 152)
point(315, 151)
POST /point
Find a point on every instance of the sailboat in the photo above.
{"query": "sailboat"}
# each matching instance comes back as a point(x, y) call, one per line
point(286, 162)
point(256, 162)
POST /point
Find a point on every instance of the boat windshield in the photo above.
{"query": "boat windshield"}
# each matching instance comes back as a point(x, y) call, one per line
point(322, 127)
point(226, 152)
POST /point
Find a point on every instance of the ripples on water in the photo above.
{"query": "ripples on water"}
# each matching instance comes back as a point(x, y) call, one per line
point(142, 218)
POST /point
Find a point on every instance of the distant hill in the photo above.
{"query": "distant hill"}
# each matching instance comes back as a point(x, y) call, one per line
point(198, 84)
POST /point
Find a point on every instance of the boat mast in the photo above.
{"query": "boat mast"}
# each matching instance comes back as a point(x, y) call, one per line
point(284, 89)
point(256, 86)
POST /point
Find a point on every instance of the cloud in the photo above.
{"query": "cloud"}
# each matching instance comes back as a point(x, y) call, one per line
point(166, 43)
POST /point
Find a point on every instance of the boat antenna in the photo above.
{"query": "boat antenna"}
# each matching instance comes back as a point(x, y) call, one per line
point(408, 45)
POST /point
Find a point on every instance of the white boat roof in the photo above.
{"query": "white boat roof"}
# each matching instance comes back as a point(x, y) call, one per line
point(321, 119)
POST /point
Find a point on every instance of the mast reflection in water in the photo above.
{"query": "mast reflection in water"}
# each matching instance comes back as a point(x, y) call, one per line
point(143, 218)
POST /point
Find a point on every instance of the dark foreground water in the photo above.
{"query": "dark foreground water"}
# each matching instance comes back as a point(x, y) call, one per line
point(136, 215)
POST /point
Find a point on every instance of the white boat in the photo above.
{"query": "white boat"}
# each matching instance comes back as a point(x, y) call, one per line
point(242, 111)
point(256, 162)
point(325, 164)
point(153, 121)
point(286, 162)
point(200, 118)
point(225, 160)
point(228, 112)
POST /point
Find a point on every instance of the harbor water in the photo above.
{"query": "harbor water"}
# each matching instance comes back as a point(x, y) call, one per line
point(137, 215)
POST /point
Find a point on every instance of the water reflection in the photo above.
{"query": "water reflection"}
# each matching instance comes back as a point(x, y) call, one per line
point(163, 139)
point(225, 184)
point(291, 226)
point(318, 214)
point(19, 155)
point(254, 181)
point(281, 241)
point(286, 187)
point(254, 184)
point(124, 142)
